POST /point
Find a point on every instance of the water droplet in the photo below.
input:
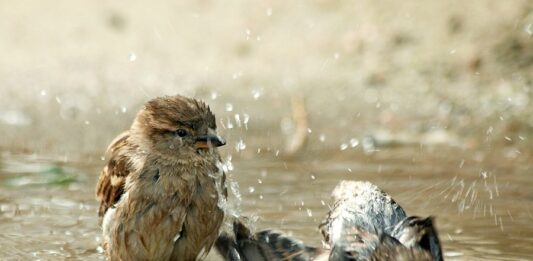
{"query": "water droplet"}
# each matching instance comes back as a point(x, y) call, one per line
point(123, 109)
point(229, 107)
point(229, 125)
point(336, 56)
point(256, 93)
point(214, 95)
point(234, 186)
point(322, 137)
point(240, 145)
point(508, 138)
point(309, 213)
point(269, 11)
point(259, 181)
point(238, 120)
point(245, 120)
point(313, 177)
point(87, 122)
point(369, 145)
point(251, 189)
point(58, 100)
point(43, 92)
point(344, 146)
point(354, 142)
point(309, 130)
point(529, 29)
point(132, 57)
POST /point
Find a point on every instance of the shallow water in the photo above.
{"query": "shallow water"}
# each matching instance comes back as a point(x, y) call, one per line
point(484, 209)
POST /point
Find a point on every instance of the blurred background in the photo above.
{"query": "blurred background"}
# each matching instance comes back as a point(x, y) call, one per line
point(430, 100)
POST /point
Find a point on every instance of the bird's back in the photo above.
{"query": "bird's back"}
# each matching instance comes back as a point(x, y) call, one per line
point(363, 205)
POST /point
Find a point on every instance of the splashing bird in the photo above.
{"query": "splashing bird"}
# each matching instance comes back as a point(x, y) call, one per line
point(364, 224)
point(161, 189)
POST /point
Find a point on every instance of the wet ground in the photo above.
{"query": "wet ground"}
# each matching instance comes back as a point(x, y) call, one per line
point(483, 207)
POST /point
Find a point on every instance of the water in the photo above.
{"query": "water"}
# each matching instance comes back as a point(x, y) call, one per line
point(483, 208)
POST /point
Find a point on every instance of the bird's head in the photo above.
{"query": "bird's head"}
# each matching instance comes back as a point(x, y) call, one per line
point(177, 127)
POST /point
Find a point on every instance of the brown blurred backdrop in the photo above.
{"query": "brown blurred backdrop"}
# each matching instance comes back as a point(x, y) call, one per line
point(459, 73)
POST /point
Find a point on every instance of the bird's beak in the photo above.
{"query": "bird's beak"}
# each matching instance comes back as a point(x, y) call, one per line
point(209, 141)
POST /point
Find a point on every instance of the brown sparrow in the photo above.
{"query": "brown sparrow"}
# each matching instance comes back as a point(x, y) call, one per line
point(163, 190)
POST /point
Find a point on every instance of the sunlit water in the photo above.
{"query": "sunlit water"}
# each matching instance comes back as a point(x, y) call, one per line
point(483, 210)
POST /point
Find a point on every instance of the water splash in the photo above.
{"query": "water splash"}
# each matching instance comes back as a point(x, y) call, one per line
point(229, 107)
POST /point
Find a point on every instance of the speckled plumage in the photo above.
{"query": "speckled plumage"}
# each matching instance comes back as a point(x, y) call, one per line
point(160, 192)
point(364, 224)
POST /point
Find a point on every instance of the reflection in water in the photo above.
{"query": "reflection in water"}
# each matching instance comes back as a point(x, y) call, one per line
point(48, 208)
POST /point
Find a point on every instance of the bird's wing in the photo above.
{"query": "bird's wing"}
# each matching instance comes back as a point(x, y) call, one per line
point(266, 245)
point(111, 182)
point(417, 232)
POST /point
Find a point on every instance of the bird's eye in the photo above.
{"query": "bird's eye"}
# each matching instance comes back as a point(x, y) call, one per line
point(181, 132)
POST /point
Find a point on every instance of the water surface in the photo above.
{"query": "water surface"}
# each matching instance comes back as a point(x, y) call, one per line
point(483, 208)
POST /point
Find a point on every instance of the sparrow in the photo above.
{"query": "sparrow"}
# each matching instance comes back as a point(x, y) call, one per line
point(162, 192)
point(364, 224)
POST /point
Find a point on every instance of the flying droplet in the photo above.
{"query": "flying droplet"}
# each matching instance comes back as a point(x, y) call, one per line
point(229, 107)
point(269, 12)
point(238, 120)
point(257, 93)
point(240, 145)
point(354, 142)
point(132, 57)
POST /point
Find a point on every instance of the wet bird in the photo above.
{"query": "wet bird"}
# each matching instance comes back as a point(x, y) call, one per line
point(162, 190)
point(364, 224)
point(267, 245)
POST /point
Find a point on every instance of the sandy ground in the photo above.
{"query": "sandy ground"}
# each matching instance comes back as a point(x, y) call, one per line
point(460, 73)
